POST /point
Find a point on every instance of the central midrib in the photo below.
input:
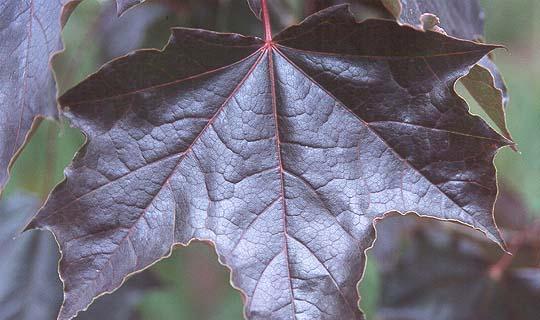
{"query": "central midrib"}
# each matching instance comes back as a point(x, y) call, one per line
point(272, 78)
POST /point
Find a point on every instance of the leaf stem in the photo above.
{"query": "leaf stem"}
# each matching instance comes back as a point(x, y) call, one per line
point(497, 270)
point(266, 21)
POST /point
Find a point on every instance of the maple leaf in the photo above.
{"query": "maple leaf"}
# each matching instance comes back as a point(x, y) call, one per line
point(281, 152)
point(30, 35)
point(463, 19)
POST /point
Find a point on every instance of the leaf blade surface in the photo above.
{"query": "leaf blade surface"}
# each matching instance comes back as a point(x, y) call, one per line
point(280, 154)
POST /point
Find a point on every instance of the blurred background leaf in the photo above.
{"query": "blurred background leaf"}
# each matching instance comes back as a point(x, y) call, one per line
point(29, 285)
point(443, 271)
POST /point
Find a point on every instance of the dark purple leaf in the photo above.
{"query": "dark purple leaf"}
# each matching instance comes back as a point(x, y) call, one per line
point(463, 19)
point(149, 24)
point(449, 274)
point(29, 36)
point(282, 154)
point(460, 18)
point(530, 278)
point(29, 285)
point(120, 35)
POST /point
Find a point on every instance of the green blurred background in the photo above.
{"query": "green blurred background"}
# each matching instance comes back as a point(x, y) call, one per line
point(194, 285)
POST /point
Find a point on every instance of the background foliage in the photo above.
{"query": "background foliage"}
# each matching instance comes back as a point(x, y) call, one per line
point(192, 283)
